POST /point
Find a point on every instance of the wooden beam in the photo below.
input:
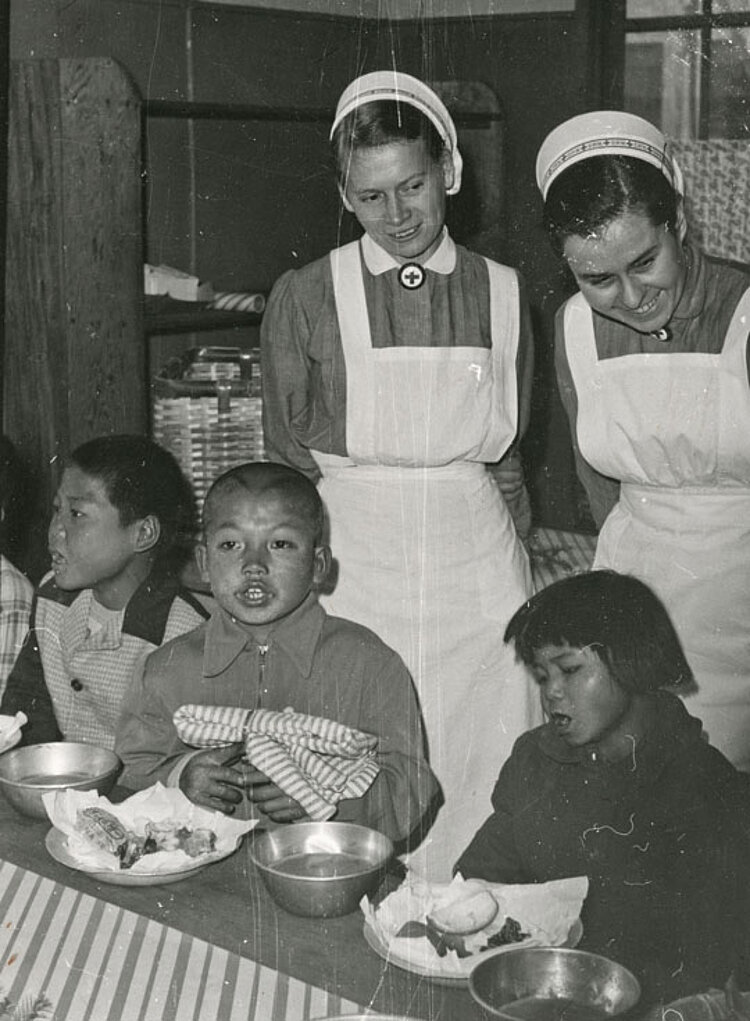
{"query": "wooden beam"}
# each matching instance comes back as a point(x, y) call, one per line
point(75, 364)
point(601, 28)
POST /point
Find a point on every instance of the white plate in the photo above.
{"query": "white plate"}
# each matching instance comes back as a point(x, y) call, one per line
point(448, 977)
point(56, 843)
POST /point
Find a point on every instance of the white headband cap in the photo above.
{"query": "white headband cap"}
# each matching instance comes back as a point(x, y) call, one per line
point(604, 133)
point(403, 88)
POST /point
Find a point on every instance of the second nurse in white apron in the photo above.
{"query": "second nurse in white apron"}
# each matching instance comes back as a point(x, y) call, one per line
point(653, 364)
point(394, 369)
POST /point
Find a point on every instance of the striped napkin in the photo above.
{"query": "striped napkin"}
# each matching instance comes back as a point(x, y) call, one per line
point(311, 759)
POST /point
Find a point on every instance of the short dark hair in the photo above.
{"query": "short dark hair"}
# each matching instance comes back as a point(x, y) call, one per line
point(616, 615)
point(271, 477)
point(141, 478)
point(379, 123)
point(590, 194)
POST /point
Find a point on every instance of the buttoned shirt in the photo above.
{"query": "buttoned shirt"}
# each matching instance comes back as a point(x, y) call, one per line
point(699, 325)
point(303, 365)
point(80, 658)
point(313, 663)
point(16, 596)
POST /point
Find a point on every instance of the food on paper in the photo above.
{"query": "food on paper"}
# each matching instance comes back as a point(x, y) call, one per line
point(157, 830)
point(172, 836)
point(465, 916)
point(105, 831)
point(418, 924)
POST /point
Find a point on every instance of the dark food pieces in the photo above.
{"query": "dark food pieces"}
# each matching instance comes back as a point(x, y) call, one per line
point(105, 831)
point(444, 941)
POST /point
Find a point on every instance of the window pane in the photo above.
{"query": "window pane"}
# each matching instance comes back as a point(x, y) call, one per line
point(661, 8)
point(730, 7)
point(662, 80)
point(729, 93)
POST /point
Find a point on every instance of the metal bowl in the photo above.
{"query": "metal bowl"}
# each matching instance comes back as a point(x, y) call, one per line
point(552, 984)
point(321, 869)
point(28, 773)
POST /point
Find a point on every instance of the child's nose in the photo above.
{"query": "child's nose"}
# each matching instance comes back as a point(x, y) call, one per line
point(554, 685)
point(56, 526)
point(255, 562)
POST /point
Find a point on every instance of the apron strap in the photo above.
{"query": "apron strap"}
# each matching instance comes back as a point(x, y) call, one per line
point(354, 327)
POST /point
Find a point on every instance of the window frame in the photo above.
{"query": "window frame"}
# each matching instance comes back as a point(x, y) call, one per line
point(703, 23)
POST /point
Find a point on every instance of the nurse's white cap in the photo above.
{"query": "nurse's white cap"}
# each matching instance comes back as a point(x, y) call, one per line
point(403, 88)
point(604, 133)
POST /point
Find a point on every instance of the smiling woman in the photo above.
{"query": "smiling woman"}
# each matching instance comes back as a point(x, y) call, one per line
point(652, 361)
point(394, 370)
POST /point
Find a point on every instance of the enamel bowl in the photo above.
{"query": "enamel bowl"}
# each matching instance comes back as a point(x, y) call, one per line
point(29, 772)
point(551, 983)
point(321, 869)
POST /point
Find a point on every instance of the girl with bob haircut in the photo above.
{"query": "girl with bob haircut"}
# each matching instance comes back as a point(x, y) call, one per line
point(620, 785)
point(614, 614)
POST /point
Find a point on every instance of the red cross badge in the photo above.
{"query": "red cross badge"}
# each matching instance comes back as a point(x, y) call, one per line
point(411, 276)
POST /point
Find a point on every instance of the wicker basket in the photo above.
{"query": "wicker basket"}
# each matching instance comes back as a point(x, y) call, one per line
point(207, 411)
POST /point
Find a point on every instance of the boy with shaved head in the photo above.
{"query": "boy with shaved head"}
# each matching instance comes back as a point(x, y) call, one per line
point(270, 645)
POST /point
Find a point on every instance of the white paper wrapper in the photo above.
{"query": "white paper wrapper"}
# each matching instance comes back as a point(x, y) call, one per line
point(546, 911)
point(155, 804)
point(10, 730)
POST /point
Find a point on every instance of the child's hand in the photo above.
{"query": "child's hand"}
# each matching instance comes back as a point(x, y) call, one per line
point(208, 782)
point(270, 799)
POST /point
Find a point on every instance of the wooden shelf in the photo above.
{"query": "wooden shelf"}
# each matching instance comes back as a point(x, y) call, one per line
point(165, 315)
point(236, 111)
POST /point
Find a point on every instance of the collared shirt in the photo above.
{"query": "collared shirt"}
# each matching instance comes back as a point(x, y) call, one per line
point(303, 367)
point(16, 596)
point(316, 664)
point(663, 836)
point(79, 658)
point(699, 325)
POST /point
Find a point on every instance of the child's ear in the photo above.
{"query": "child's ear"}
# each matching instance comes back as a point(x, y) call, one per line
point(147, 536)
point(321, 564)
point(201, 559)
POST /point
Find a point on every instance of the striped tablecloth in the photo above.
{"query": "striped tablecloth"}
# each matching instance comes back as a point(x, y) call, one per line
point(93, 961)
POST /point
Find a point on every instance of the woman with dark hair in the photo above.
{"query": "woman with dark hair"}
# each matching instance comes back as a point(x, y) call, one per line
point(394, 370)
point(652, 362)
point(619, 785)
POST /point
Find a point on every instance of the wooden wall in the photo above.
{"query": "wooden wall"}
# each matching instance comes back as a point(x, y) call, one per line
point(74, 364)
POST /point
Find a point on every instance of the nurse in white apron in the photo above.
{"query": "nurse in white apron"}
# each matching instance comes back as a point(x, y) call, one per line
point(394, 369)
point(652, 358)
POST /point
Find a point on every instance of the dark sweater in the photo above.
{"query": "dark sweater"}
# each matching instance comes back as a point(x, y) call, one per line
point(664, 838)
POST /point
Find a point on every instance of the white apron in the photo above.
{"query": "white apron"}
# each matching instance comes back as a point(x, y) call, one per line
point(427, 552)
point(674, 428)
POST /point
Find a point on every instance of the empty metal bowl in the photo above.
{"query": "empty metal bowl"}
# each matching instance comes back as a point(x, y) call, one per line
point(552, 984)
point(28, 773)
point(321, 869)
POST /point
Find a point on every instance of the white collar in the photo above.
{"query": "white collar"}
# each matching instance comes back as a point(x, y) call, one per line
point(377, 260)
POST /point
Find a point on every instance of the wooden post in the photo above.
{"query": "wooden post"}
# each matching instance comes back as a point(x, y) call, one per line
point(4, 61)
point(75, 362)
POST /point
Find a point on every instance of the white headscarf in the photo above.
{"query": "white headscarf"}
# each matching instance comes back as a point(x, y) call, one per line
point(403, 88)
point(604, 133)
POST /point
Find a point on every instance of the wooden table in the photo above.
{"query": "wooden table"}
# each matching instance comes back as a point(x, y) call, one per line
point(227, 907)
